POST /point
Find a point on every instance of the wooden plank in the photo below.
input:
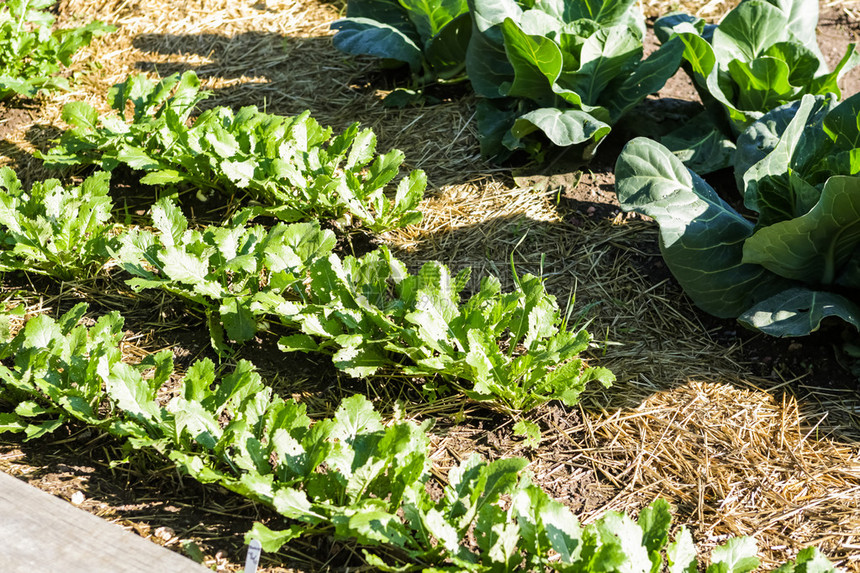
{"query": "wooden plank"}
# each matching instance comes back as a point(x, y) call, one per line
point(39, 532)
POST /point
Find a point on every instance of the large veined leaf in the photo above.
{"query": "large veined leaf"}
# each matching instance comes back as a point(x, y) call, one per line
point(604, 12)
point(431, 16)
point(748, 30)
point(536, 61)
point(648, 77)
point(701, 236)
point(798, 312)
point(815, 246)
point(802, 21)
point(769, 185)
point(774, 186)
point(364, 36)
point(445, 50)
point(701, 145)
point(842, 124)
point(388, 12)
point(562, 127)
point(757, 141)
point(605, 55)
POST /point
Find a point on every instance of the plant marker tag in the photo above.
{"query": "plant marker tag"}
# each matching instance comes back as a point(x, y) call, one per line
point(253, 557)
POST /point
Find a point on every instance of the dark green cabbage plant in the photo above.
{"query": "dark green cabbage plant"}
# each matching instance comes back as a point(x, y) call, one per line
point(566, 69)
point(430, 36)
point(763, 54)
point(798, 262)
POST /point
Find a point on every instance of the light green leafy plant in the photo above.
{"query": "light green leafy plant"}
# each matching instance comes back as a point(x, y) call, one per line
point(31, 53)
point(52, 230)
point(368, 313)
point(350, 476)
point(291, 164)
point(763, 54)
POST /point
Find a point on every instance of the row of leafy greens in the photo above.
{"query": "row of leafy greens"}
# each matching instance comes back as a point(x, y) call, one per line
point(512, 349)
point(567, 70)
point(798, 167)
point(368, 313)
point(31, 53)
point(291, 164)
point(351, 475)
point(763, 54)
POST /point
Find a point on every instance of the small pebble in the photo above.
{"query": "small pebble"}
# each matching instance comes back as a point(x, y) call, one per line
point(78, 498)
point(165, 533)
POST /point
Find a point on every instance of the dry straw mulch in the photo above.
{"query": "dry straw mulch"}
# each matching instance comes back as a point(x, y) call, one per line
point(688, 419)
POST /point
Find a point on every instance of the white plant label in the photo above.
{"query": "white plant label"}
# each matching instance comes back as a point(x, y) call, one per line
point(253, 557)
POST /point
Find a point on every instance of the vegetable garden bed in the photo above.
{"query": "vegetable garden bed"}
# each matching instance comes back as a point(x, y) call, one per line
point(741, 433)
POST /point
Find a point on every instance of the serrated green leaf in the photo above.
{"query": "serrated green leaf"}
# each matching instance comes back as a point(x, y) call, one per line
point(681, 553)
point(738, 555)
point(271, 540)
point(355, 416)
point(80, 115)
point(530, 431)
point(9, 422)
point(239, 321)
point(239, 172)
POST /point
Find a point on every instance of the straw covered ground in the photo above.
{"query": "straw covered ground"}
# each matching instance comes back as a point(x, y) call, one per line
point(743, 435)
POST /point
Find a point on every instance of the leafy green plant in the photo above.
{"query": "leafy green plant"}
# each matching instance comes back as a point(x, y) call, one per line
point(31, 53)
point(568, 70)
point(800, 262)
point(350, 476)
point(762, 55)
point(52, 230)
point(368, 313)
point(289, 163)
point(228, 269)
point(430, 36)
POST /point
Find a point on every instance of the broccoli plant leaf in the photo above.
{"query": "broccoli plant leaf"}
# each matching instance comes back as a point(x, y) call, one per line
point(798, 312)
point(701, 236)
point(562, 127)
point(815, 246)
point(762, 55)
point(360, 36)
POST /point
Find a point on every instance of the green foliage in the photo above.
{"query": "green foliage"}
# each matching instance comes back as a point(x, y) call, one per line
point(289, 163)
point(430, 36)
point(762, 55)
point(229, 269)
point(369, 313)
point(568, 70)
point(52, 230)
point(31, 53)
point(350, 475)
point(799, 263)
